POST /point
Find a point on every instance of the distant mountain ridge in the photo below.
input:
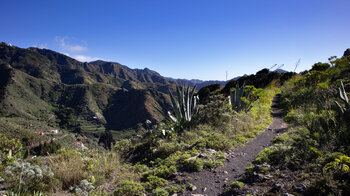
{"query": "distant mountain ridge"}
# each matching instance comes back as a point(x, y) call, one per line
point(37, 83)
point(202, 83)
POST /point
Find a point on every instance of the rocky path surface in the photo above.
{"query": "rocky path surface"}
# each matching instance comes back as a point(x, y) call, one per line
point(214, 182)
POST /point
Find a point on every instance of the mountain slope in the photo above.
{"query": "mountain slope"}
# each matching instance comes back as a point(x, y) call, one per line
point(38, 83)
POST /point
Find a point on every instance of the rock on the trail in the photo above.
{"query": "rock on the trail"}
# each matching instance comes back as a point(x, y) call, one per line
point(299, 188)
point(256, 177)
point(193, 188)
point(179, 179)
point(198, 195)
point(287, 194)
point(277, 186)
point(250, 191)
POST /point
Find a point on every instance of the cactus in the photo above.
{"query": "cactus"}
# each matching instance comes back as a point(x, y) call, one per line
point(236, 98)
point(185, 106)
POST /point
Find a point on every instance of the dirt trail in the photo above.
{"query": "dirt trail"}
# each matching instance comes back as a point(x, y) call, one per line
point(213, 182)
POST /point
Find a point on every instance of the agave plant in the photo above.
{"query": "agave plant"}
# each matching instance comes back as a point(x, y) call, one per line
point(236, 99)
point(342, 94)
point(185, 106)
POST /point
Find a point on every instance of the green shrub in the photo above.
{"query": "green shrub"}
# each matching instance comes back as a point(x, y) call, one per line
point(123, 146)
point(161, 171)
point(175, 189)
point(68, 166)
point(341, 165)
point(195, 164)
point(250, 167)
point(216, 113)
point(274, 153)
point(47, 148)
point(280, 139)
point(166, 148)
point(129, 188)
point(176, 158)
point(209, 164)
point(155, 182)
point(331, 157)
point(236, 185)
point(213, 164)
point(9, 149)
point(159, 192)
point(83, 188)
point(216, 141)
point(28, 178)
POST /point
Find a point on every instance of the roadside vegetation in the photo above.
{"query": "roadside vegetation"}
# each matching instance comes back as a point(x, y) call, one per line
point(194, 138)
point(312, 158)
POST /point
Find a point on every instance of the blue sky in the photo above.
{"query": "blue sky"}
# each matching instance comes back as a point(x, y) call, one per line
point(189, 39)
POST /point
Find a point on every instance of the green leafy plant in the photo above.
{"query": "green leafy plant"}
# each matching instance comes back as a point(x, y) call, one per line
point(194, 164)
point(154, 182)
point(83, 188)
point(236, 185)
point(342, 94)
point(239, 99)
point(185, 106)
point(339, 165)
point(9, 149)
point(27, 177)
point(159, 192)
point(129, 188)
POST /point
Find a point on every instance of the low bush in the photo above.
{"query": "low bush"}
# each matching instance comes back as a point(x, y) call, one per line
point(9, 149)
point(83, 188)
point(26, 177)
point(161, 171)
point(194, 164)
point(68, 166)
point(236, 185)
point(46, 148)
point(153, 182)
point(159, 192)
point(129, 188)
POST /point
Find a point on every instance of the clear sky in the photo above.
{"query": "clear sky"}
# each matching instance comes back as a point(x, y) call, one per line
point(192, 39)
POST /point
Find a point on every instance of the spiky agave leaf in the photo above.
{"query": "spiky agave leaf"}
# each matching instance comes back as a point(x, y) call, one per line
point(185, 106)
point(176, 108)
point(342, 93)
point(236, 98)
point(340, 107)
point(180, 98)
point(172, 117)
point(191, 103)
point(186, 103)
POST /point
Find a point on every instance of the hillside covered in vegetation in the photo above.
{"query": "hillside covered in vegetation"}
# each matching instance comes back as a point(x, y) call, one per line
point(45, 90)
